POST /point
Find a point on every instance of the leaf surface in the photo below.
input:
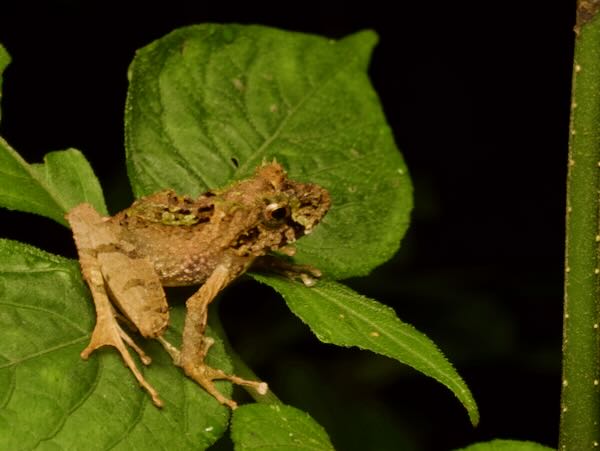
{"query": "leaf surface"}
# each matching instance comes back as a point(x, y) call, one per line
point(208, 103)
point(276, 427)
point(50, 189)
point(52, 399)
point(338, 315)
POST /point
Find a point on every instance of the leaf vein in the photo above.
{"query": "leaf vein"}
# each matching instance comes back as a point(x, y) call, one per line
point(47, 311)
point(10, 389)
point(292, 112)
point(139, 409)
point(76, 406)
point(43, 352)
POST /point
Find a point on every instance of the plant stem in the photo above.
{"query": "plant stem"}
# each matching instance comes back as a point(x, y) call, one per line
point(580, 398)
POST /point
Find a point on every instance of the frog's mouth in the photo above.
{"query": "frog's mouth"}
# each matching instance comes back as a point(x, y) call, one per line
point(246, 238)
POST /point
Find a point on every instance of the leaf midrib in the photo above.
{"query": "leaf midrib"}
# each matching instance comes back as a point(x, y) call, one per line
point(258, 154)
point(448, 379)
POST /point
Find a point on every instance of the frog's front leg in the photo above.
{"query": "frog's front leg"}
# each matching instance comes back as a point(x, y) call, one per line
point(270, 263)
point(103, 268)
point(195, 344)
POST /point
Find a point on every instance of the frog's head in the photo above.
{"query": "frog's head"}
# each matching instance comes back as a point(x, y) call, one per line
point(288, 203)
point(283, 209)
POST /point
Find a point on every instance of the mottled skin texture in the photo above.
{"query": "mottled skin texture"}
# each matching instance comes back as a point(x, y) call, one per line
point(170, 240)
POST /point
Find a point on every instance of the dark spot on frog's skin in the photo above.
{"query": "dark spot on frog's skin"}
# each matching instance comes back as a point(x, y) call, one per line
point(204, 213)
point(235, 162)
point(245, 238)
point(298, 229)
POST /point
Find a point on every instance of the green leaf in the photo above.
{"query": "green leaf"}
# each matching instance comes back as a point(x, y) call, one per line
point(52, 399)
point(4, 61)
point(64, 180)
point(276, 427)
point(506, 445)
point(340, 316)
point(208, 103)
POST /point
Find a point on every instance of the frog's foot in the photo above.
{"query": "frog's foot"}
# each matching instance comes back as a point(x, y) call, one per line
point(205, 375)
point(108, 333)
point(306, 273)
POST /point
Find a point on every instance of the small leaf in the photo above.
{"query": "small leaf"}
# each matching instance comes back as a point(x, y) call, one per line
point(276, 427)
point(208, 103)
point(64, 180)
point(52, 399)
point(506, 445)
point(4, 61)
point(340, 316)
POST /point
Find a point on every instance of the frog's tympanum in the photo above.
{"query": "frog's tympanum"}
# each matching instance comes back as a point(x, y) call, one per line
point(169, 240)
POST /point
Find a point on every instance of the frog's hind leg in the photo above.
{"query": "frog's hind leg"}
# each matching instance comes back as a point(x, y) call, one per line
point(91, 233)
point(196, 345)
point(108, 332)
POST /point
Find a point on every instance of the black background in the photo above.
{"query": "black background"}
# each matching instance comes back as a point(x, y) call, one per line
point(477, 94)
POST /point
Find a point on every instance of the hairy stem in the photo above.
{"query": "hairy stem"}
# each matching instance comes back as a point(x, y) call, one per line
point(580, 398)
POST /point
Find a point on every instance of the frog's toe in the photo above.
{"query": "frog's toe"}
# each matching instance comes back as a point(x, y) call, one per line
point(108, 333)
point(205, 375)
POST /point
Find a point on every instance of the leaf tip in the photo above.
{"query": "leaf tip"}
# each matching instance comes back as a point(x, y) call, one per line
point(363, 41)
point(368, 36)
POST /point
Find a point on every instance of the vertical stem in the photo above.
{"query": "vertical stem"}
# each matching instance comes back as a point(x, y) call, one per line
point(580, 398)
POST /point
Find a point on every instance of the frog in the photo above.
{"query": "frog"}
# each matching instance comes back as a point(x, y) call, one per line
point(166, 239)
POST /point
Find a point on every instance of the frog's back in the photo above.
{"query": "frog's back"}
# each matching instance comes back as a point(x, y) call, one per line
point(171, 231)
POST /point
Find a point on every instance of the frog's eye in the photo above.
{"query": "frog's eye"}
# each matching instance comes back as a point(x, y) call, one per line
point(275, 213)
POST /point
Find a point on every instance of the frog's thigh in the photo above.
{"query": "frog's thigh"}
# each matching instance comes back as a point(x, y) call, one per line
point(136, 290)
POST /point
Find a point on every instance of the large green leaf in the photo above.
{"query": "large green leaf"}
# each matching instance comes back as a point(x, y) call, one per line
point(64, 180)
point(51, 399)
point(276, 427)
point(338, 315)
point(208, 103)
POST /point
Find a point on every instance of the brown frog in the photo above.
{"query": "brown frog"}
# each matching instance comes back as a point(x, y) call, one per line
point(169, 240)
